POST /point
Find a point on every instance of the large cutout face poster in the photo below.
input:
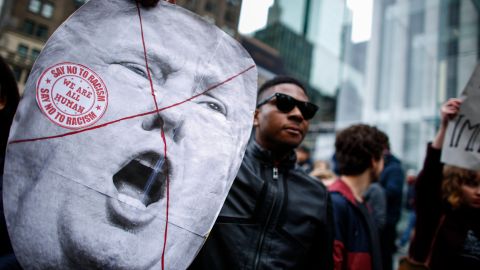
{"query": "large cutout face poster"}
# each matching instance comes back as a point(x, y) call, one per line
point(131, 130)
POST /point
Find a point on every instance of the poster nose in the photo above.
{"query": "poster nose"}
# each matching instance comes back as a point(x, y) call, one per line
point(169, 120)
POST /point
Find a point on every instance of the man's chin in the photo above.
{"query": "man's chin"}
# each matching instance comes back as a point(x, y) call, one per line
point(291, 144)
point(289, 141)
point(88, 239)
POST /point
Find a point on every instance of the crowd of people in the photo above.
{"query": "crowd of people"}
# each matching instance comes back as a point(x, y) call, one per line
point(384, 191)
point(286, 211)
point(442, 205)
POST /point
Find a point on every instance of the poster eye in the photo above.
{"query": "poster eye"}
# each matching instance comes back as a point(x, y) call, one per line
point(215, 106)
point(137, 69)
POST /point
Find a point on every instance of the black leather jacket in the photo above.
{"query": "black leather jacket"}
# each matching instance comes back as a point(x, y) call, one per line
point(274, 217)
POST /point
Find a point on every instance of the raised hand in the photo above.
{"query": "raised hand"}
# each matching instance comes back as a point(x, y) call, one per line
point(448, 111)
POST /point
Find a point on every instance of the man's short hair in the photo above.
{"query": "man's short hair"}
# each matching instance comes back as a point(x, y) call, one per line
point(385, 141)
point(279, 80)
point(356, 146)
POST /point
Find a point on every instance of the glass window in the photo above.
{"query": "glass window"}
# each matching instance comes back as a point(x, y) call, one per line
point(411, 144)
point(416, 55)
point(42, 31)
point(230, 16)
point(22, 50)
point(210, 7)
point(17, 71)
point(191, 4)
point(34, 6)
point(28, 27)
point(34, 54)
point(26, 77)
point(228, 30)
point(79, 3)
point(233, 2)
point(47, 10)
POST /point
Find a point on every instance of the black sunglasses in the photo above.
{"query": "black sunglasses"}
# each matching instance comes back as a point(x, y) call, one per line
point(286, 103)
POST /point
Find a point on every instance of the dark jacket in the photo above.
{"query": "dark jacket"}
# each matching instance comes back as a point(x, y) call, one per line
point(377, 201)
point(356, 244)
point(457, 244)
point(274, 217)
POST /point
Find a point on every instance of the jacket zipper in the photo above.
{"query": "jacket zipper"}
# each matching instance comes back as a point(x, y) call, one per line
point(267, 224)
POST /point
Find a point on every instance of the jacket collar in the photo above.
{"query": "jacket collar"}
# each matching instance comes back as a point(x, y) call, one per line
point(342, 188)
point(266, 156)
point(390, 158)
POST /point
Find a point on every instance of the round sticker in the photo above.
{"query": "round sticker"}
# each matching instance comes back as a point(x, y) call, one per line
point(72, 95)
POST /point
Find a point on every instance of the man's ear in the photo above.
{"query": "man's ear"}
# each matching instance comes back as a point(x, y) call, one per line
point(255, 118)
point(373, 163)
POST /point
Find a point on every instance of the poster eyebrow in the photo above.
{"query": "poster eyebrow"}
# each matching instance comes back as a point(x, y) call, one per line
point(210, 88)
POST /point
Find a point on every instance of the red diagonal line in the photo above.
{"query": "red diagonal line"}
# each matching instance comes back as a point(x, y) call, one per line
point(162, 133)
point(132, 116)
point(146, 59)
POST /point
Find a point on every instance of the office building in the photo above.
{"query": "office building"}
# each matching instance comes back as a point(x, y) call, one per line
point(224, 13)
point(420, 53)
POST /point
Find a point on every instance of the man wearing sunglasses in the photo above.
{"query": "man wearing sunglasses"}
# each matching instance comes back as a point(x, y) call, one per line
point(275, 216)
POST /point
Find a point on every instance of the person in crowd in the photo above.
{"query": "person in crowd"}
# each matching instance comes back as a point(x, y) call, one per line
point(447, 202)
point(410, 208)
point(358, 151)
point(376, 199)
point(9, 98)
point(392, 180)
point(275, 215)
point(321, 171)
point(303, 158)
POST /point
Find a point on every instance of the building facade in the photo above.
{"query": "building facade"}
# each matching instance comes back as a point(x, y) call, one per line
point(420, 54)
point(224, 13)
point(295, 49)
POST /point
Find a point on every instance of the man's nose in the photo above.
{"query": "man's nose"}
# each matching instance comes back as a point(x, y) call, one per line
point(296, 114)
point(170, 120)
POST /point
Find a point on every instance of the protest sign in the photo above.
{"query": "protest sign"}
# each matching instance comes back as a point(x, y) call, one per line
point(131, 129)
point(461, 146)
